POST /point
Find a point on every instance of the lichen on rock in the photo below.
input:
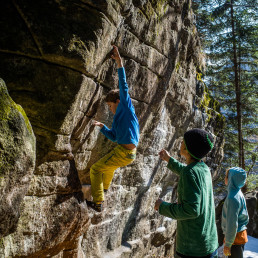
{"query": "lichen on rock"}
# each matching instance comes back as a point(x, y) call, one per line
point(17, 160)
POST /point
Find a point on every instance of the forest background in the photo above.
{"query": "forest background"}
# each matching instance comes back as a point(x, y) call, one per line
point(228, 30)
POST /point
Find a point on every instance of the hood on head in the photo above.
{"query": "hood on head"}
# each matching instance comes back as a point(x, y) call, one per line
point(236, 178)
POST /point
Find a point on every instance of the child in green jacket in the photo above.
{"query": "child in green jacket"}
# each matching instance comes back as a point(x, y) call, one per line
point(195, 211)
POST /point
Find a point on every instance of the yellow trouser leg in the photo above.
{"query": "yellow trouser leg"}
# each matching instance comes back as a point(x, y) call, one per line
point(102, 172)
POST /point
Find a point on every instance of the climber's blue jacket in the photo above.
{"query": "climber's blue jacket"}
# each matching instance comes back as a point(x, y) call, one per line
point(125, 126)
point(234, 213)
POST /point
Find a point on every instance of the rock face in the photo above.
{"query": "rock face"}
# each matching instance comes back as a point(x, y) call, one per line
point(55, 59)
point(17, 160)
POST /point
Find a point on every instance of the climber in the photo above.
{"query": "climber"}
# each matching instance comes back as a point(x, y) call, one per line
point(195, 211)
point(124, 131)
point(234, 214)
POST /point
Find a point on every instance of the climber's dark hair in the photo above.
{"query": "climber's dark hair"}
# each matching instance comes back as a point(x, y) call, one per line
point(112, 96)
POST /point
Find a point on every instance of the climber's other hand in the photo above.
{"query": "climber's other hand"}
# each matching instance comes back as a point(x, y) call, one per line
point(97, 123)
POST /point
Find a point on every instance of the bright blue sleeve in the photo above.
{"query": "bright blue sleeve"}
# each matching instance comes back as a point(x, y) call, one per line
point(123, 88)
point(231, 222)
point(109, 133)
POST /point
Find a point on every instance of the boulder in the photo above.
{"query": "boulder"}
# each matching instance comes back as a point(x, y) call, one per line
point(55, 58)
point(17, 160)
point(252, 206)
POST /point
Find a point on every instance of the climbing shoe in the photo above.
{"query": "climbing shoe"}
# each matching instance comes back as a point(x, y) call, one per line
point(95, 206)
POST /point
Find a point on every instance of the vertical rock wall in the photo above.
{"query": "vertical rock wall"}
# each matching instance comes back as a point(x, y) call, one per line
point(17, 160)
point(55, 59)
point(252, 206)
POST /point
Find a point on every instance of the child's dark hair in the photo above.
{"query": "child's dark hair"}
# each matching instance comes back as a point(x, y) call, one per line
point(112, 96)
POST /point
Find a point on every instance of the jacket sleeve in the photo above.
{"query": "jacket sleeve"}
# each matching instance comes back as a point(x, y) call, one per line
point(123, 88)
point(189, 208)
point(109, 133)
point(231, 222)
point(175, 166)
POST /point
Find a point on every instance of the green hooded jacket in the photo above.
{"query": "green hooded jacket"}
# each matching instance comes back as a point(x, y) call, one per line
point(195, 211)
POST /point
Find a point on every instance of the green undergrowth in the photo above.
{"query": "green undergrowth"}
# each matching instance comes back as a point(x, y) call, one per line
point(252, 182)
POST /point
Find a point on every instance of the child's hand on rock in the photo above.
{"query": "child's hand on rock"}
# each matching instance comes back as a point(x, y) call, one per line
point(116, 56)
point(97, 123)
point(164, 155)
point(157, 204)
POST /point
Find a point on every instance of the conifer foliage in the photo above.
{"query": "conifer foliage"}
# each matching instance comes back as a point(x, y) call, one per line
point(228, 30)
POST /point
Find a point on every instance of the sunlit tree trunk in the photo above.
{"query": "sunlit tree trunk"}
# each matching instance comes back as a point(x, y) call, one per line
point(240, 85)
point(241, 162)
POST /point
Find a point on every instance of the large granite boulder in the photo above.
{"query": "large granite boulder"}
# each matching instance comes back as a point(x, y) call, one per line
point(252, 206)
point(55, 59)
point(17, 160)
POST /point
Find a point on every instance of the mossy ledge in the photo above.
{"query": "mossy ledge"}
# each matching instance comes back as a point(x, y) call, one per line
point(210, 106)
point(7, 104)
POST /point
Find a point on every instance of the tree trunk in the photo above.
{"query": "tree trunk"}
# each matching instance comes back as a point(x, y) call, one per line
point(240, 81)
point(237, 90)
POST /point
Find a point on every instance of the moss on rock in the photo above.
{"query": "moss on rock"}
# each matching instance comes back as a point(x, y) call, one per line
point(211, 107)
point(17, 159)
point(5, 101)
point(27, 122)
point(155, 8)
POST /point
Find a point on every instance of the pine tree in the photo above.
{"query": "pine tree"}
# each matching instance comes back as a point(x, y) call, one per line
point(228, 30)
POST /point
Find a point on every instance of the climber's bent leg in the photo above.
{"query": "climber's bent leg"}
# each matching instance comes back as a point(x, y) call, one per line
point(102, 172)
point(120, 158)
point(96, 173)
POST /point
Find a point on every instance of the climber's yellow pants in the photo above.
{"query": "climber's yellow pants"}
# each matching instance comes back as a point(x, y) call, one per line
point(102, 172)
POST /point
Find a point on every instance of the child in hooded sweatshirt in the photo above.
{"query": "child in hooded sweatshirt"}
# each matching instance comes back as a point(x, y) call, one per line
point(234, 214)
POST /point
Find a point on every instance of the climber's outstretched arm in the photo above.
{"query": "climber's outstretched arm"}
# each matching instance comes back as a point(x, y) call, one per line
point(116, 56)
point(123, 87)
